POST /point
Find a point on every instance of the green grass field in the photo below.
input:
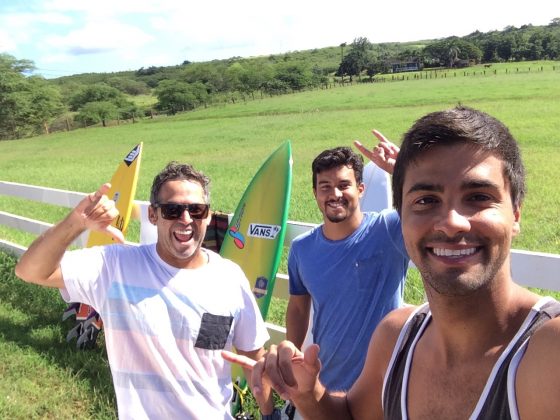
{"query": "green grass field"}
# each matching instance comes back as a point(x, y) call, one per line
point(43, 377)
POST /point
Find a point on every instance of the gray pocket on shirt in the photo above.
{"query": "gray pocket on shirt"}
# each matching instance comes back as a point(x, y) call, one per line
point(214, 331)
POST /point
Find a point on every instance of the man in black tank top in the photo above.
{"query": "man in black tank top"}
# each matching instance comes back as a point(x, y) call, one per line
point(482, 347)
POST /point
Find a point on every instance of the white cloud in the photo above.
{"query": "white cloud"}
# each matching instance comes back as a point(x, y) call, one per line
point(7, 43)
point(99, 36)
point(170, 31)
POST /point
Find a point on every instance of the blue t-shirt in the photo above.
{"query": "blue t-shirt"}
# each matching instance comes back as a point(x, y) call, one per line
point(353, 283)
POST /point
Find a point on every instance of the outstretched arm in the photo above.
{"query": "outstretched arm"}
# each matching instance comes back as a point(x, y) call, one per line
point(383, 155)
point(40, 264)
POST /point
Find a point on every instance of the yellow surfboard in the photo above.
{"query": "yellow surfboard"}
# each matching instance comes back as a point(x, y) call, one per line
point(123, 189)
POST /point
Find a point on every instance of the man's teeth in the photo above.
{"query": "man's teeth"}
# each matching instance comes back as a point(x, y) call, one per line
point(444, 252)
point(183, 235)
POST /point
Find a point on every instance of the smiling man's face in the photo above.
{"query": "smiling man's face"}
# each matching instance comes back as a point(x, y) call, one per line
point(180, 240)
point(338, 194)
point(458, 219)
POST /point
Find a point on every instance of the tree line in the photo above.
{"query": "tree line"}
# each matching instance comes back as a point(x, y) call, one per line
point(30, 104)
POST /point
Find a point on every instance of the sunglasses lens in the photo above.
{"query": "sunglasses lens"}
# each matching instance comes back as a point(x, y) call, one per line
point(198, 211)
point(172, 211)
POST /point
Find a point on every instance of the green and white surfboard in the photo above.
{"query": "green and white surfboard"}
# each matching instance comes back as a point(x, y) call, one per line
point(255, 237)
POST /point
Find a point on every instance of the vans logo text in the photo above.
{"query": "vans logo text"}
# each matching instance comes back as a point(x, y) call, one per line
point(259, 230)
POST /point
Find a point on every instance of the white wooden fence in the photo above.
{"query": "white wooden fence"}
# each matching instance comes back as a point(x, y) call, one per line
point(534, 269)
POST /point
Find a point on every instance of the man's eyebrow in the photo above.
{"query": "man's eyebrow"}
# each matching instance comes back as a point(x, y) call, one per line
point(467, 185)
point(478, 184)
point(424, 186)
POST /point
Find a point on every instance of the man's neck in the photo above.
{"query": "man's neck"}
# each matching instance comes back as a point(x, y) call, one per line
point(477, 324)
point(338, 231)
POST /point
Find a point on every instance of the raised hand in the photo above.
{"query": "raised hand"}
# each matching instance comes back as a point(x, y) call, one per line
point(290, 372)
point(97, 212)
point(383, 155)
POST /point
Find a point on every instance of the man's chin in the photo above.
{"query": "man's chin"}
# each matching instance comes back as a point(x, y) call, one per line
point(336, 219)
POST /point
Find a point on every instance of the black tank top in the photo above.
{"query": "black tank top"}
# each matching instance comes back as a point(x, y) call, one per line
point(495, 401)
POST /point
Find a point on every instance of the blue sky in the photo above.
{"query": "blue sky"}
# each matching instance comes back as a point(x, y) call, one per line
point(65, 37)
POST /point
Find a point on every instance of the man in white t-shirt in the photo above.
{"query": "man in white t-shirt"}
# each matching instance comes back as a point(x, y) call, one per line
point(168, 308)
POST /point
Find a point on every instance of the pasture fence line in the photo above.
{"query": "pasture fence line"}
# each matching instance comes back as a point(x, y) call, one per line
point(444, 73)
point(530, 269)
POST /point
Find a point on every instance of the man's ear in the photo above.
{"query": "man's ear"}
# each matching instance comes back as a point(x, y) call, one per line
point(152, 215)
point(361, 189)
point(516, 228)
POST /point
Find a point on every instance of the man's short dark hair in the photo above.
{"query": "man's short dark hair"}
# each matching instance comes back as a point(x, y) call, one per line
point(461, 125)
point(334, 158)
point(174, 171)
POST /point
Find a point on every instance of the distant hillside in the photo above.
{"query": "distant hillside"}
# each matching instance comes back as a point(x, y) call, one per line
point(36, 105)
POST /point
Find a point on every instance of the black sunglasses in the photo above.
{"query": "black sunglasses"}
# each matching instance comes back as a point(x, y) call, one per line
point(172, 211)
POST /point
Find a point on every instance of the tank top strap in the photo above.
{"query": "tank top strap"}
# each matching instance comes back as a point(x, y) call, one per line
point(497, 404)
point(392, 384)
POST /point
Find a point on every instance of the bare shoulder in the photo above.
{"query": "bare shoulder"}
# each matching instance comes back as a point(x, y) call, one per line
point(386, 335)
point(394, 320)
point(364, 398)
point(538, 377)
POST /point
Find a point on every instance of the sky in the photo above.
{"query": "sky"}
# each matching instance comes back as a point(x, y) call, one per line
point(65, 37)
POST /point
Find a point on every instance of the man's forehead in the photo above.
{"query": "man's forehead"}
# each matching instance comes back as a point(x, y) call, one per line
point(341, 173)
point(460, 162)
point(182, 185)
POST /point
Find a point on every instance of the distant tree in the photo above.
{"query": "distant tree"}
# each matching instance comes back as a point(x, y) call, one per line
point(97, 112)
point(175, 96)
point(294, 75)
point(128, 86)
point(356, 60)
point(234, 75)
point(374, 67)
point(45, 103)
point(449, 50)
point(506, 46)
point(319, 77)
point(12, 103)
point(27, 104)
point(351, 66)
point(99, 92)
point(275, 87)
point(255, 75)
point(211, 75)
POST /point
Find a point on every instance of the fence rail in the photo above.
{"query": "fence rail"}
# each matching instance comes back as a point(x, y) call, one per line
point(532, 269)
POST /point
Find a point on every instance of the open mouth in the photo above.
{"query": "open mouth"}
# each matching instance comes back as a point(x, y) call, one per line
point(183, 235)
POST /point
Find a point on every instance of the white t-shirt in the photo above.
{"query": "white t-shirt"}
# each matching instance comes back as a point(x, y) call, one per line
point(165, 327)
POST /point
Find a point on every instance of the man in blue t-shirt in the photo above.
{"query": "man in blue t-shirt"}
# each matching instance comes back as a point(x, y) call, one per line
point(352, 267)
